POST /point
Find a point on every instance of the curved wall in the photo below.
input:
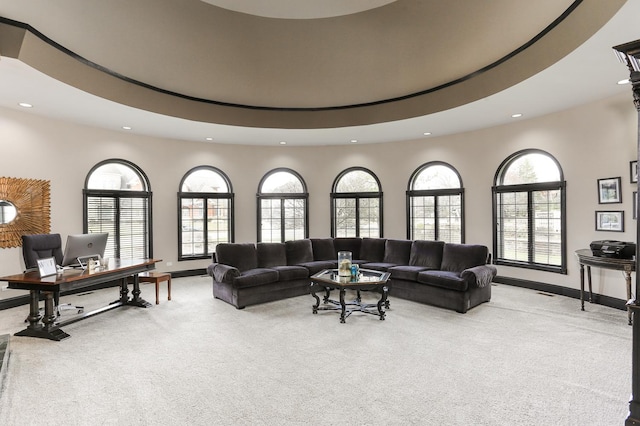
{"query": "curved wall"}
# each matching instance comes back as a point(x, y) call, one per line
point(593, 141)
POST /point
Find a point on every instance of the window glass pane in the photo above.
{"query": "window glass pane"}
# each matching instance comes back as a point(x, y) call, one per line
point(192, 214)
point(133, 228)
point(547, 228)
point(357, 181)
point(531, 168)
point(369, 210)
point(204, 180)
point(345, 217)
point(436, 176)
point(450, 218)
point(294, 220)
point(217, 223)
point(270, 225)
point(101, 217)
point(423, 218)
point(116, 176)
point(513, 227)
point(281, 182)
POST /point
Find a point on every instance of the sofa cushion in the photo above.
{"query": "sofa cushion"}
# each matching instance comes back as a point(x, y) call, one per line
point(291, 272)
point(378, 266)
point(444, 279)
point(372, 249)
point(406, 272)
point(351, 244)
point(299, 251)
point(323, 249)
point(319, 265)
point(426, 253)
point(397, 251)
point(271, 254)
point(241, 255)
point(256, 277)
point(458, 257)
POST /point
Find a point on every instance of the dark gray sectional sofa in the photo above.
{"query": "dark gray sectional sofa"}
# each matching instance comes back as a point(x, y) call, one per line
point(452, 276)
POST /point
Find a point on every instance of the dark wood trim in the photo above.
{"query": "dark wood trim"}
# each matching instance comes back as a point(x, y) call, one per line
point(598, 299)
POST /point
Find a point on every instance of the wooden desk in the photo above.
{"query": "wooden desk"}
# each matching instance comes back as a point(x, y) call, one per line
point(45, 326)
point(585, 257)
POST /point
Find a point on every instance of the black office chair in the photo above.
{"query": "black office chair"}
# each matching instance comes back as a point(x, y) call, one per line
point(42, 246)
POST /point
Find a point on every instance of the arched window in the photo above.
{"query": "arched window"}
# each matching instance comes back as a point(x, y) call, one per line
point(282, 207)
point(529, 212)
point(117, 200)
point(205, 209)
point(356, 200)
point(435, 204)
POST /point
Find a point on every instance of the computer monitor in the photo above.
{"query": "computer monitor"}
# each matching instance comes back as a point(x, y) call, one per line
point(81, 245)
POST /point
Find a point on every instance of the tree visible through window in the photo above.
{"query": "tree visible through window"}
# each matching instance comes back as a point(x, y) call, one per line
point(282, 207)
point(206, 212)
point(117, 200)
point(529, 206)
point(357, 204)
point(435, 204)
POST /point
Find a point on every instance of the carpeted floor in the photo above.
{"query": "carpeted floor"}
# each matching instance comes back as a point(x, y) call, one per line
point(525, 358)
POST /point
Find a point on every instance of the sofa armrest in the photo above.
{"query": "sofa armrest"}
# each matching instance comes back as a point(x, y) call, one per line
point(223, 273)
point(480, 275)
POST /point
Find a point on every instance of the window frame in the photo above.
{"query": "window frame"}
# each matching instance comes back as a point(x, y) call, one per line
point(282, 196)
point(117, 196)
point(529, 189)
point(205, 197)
point(357, 196)
point(436, 193)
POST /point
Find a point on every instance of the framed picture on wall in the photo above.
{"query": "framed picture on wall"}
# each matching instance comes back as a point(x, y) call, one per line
point(609, 190)
point(633, 171)
point(610, 221)
point(635, 204)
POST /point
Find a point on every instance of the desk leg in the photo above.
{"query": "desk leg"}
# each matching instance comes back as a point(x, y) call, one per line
point(136, 300)
point(47, 331)
point(627, 277)
point(582, 286)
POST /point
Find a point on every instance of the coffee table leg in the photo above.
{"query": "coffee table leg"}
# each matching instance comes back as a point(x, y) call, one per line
point(382, 301)
point(314, 308)
point(342, 306)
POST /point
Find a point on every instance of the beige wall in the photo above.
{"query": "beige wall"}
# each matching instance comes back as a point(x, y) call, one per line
point(590, 142)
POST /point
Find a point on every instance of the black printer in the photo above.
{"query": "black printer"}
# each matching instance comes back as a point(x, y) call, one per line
point(613, 249)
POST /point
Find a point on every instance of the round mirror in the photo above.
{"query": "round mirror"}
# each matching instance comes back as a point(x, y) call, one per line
point(8, 212)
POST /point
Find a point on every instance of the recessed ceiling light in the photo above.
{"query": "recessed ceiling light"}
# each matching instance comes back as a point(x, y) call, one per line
point(126, 127)
point(354, 141)
point(517, 115)
point(208, 139)
point(283, 143)
point(625, 81)
point(427, 133)
point(25, 105)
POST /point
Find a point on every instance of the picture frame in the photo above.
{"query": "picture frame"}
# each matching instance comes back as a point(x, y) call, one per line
point(635, 204)
point(609, 190)
point(633, 171)
point(47, 266)
point(612, 221)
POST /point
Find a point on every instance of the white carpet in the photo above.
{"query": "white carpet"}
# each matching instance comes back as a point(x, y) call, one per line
point(523, 359)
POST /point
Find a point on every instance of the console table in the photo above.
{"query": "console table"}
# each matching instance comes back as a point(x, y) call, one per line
point(585, 257)
point(46, 326)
